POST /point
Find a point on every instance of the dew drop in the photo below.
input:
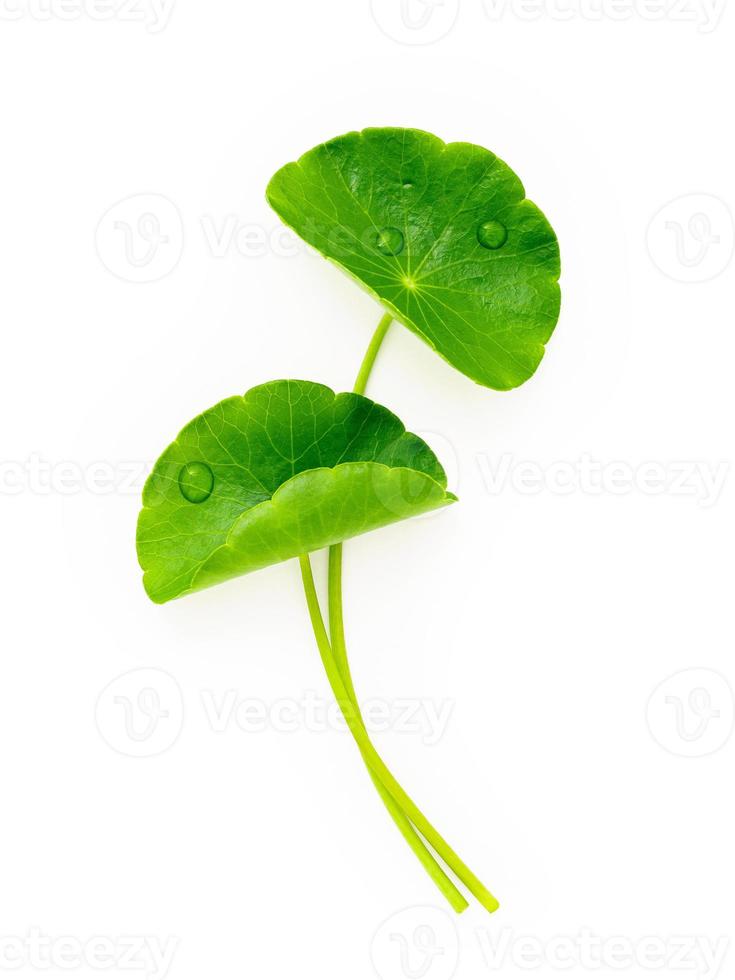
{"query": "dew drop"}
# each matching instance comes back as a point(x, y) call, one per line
point(407, 185)
point(492, 234)
point(389, 241)
point(196, 481)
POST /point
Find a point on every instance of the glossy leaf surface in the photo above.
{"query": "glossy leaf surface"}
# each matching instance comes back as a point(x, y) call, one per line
point(441, 234)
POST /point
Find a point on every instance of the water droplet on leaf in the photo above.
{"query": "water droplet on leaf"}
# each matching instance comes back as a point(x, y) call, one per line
point(407, 185)
point(389, 241)
point(492, 234)
point(196, 481)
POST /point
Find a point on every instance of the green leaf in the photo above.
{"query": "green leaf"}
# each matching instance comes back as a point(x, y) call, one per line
point(283, 470)
point(441, 234)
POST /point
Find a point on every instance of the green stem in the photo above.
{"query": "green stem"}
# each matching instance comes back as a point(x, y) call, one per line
point(339, 650)
point(336, 628)
point(339, 653)
point(371, 353)
point(371, 756)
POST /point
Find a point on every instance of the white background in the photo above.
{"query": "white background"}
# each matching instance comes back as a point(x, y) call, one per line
point(546, 611)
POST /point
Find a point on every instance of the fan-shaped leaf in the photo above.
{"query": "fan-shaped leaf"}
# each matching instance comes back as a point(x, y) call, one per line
point(441, 234)
point(283, 470)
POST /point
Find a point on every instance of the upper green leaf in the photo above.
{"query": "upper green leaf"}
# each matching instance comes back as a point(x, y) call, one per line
point(283, 470)
point(441, 234)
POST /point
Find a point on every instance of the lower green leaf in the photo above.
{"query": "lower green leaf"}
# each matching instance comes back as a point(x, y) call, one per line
point(286, 469)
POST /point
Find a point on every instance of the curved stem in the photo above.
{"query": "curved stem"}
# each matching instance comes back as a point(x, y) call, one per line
point(336, 619)
point(371, 756)
point(339, 651)
point(339, 654)
point(371, 353)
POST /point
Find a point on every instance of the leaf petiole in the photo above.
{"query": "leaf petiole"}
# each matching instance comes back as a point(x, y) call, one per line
point(371, 756)
point(339, 652)
point(371, 353)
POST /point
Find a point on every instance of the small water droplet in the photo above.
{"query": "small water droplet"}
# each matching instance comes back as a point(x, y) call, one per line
point(389, 241)
point(407, 185)
point(492, 234)
point(196, 481)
